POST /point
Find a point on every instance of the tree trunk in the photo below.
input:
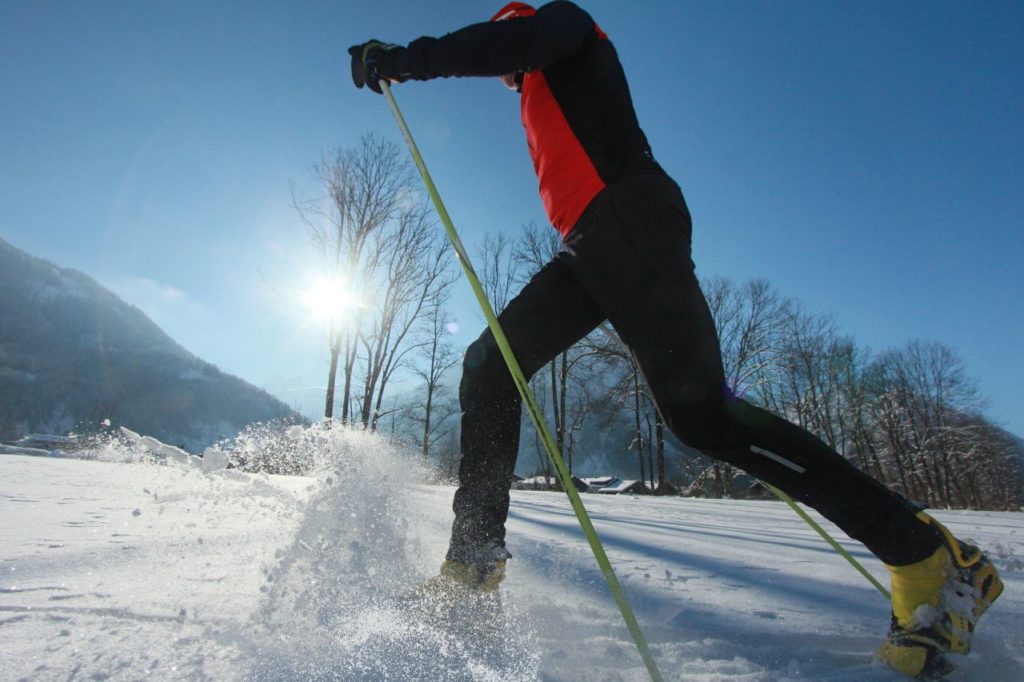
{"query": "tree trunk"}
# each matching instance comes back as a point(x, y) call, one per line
point(426, 425)
point(659, 430)
point(554, 404)
point(331, 379)
point(563, 380)
point(346, 396)
point(639, 428)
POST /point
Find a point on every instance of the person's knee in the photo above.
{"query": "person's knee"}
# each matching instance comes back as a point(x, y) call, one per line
point(711, 422)
point(697, 427)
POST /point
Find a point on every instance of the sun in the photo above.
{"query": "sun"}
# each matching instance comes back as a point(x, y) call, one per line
point(329, 299)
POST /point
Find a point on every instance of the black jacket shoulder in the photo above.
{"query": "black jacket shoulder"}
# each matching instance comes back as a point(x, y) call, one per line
point(557, 30)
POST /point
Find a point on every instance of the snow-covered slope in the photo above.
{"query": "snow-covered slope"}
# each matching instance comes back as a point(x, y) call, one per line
point(127, 571)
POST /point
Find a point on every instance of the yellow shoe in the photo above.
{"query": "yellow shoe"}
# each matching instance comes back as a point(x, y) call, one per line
point(914, 655)
point(456, 576)
point(472, 578)
point(464, 596)
point(917, 589)
point(936, 604)
point(973, 584)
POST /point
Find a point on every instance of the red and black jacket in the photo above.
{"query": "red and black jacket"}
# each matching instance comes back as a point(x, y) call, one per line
point(580, 124)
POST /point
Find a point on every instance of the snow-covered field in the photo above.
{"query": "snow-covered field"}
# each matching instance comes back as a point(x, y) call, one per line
point(130, 571)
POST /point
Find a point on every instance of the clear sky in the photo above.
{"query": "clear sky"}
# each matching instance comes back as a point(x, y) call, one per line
point(865, 157)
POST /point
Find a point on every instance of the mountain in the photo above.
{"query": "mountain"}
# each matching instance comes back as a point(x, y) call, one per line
point(73, 354)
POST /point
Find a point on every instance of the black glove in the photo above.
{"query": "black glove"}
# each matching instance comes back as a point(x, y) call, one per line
point(373, 60)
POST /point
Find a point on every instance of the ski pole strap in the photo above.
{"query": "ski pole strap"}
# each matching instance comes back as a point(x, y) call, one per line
point(828, 538)
point(536, 415)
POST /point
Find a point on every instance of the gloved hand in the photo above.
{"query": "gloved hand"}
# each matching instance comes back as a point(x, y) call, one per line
point(374, 60)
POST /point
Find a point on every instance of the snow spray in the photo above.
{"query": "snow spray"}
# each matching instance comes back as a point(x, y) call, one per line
point(335, 604)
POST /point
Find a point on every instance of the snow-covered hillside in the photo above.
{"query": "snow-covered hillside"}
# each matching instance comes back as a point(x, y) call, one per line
point(134, 570)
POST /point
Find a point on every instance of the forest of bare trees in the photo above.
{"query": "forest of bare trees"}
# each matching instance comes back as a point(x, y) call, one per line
point(909, 416)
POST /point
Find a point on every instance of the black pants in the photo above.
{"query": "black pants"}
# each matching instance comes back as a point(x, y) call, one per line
point(628, 261)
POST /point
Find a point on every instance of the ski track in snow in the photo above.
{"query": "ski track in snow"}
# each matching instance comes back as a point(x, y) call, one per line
point(129, 571)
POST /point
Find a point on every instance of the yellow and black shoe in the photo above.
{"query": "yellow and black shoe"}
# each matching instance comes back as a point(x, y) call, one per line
point(936, 605)
point(915, 653)
point(457, 579)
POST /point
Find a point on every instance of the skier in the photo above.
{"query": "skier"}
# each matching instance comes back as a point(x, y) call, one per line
point(626, 231)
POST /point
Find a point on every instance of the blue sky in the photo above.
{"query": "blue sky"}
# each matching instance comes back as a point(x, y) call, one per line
point(865, 157)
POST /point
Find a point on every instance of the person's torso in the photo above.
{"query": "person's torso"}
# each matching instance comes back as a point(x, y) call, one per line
point(581, 129)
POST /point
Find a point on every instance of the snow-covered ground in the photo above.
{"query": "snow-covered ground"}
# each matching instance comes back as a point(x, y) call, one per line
point(134, 570)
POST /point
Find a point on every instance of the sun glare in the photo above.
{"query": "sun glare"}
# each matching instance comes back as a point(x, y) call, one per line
point(329, 299)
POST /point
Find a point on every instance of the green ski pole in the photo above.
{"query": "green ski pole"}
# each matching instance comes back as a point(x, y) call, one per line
point(528, 400)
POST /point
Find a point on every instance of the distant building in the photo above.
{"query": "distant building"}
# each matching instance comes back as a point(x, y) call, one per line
point(664, 488)
point(50, 443)
point(547, 483)
point(598, 482)
point(625, 487)
point(581, 485)
point(535, 483)
point(46, 444)
point(6, 449)
point(759, 491)
point(605, 485)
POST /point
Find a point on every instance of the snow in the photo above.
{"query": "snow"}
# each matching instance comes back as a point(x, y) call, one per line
point(127, 569)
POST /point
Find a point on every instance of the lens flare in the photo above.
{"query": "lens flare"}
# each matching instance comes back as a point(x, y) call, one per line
point(329, 299)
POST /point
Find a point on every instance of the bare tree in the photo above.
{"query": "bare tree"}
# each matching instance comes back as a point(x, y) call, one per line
point(414, 267)
point(626, 393)
point(438, 357)
point(539, 385)
point(365, 185)
point(749, 319)
point(579, 409)
point(499, 272)
point(929, 431)
point(449, 455)
point(993, 475)
point(804, 389)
